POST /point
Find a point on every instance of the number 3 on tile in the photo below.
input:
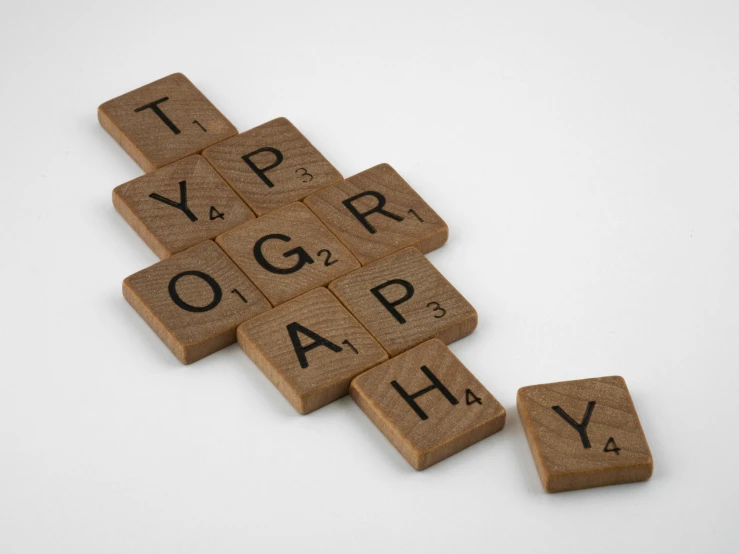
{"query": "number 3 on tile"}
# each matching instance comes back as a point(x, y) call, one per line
point(436, 307)
point(307, 177)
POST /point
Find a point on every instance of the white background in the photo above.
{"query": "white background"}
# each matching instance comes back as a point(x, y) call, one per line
point(586, 158)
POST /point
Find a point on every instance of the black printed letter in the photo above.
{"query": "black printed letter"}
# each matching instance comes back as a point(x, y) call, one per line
point(294, 328)
point(579, 427)
point(154, 106)
point(182, 205)
point(435, 384)
point(303, 256)
point(362, 216)
point(261, 171)
point(390, 306)
point(217, 293)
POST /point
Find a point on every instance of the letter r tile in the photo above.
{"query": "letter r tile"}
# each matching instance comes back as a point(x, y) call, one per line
point(403, 301)
point(194, 300)
point(427, 404)
point(376, 213)
point(164, 121)
point(584, 434)
point(272, 165)
point(287, 252)
point(310, 348)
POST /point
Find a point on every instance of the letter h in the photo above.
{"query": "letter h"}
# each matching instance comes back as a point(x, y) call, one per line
point(435, 384)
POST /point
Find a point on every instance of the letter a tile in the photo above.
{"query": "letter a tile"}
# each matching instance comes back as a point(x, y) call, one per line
point(194, 300)
point(428, 404)
point(272, 165)
point(287, 252)
point(180, 205)
point(403, 300)
point(584, 434)
point(310, 348)
point(164, 121)
point(376, 213)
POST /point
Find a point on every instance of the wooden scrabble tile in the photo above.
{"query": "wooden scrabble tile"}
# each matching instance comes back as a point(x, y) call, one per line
point(180, 205)
point(376, 213)
point(272, 165)
point(584, 434)
point(287, 252)
point(194, 300)
point(164, 121)
point(310, 348)
point(428, 404)
point(403, 300)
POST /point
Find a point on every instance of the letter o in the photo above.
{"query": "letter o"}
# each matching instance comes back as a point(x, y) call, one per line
point(217, 292)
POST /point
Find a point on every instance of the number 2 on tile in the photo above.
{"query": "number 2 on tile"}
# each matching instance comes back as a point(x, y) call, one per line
point(328, 261)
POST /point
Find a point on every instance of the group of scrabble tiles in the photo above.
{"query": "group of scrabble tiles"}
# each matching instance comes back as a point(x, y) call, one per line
point(324, 284)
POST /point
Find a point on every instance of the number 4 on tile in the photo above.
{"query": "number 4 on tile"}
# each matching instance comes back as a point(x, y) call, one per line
point(611, 446)
point(472, 398)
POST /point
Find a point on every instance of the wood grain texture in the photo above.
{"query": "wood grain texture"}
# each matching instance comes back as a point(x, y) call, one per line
point(312, 373)
point(180, 122)
point(287, 252)
point(208, 208)
point(194, 314)
point(452, 421)
point(568, 460)
point(411, 303)
point(376, 213)
point(281, 165)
